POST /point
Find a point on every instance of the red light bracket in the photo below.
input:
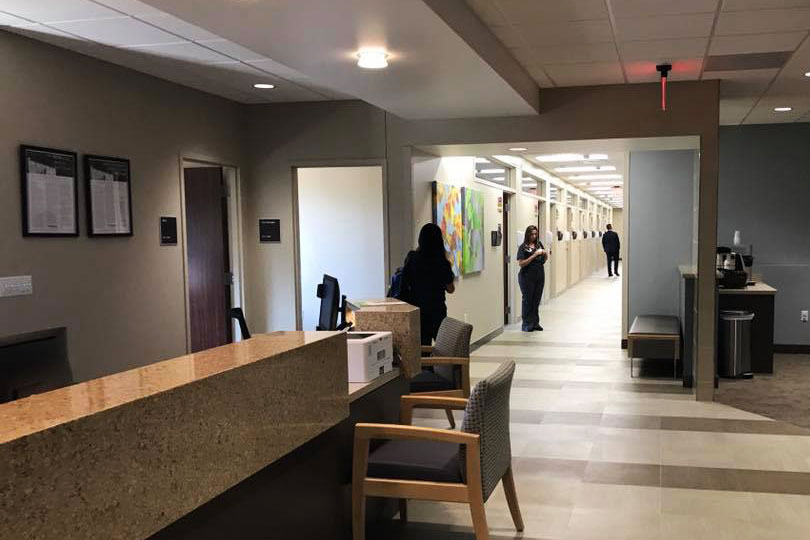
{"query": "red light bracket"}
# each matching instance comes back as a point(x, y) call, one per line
point(664, 70)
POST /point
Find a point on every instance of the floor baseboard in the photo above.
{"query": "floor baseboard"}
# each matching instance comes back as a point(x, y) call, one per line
point(486, 339)
point(791, 349)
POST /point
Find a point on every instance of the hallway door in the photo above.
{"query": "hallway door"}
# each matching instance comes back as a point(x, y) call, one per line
point(208, 257)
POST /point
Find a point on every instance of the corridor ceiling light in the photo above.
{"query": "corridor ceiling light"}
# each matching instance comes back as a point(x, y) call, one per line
point(596, 177)
point(560, 158)
point(606, 183)
point(595, 157)
point(482, 160)
point(499, 178)
point(783, 109)
point(264, 86)
point(372, 58)
point(807, 74)
point(492, 171)
point(585, 168)
point(518, 149)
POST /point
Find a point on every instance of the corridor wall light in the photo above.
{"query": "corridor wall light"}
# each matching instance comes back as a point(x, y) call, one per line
point(372, 58)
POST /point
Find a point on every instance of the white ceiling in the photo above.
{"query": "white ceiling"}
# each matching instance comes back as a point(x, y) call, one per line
point(594, 42)
point(136, 35)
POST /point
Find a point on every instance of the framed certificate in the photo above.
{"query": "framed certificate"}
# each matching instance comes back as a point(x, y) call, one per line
point(109, 205)
point(49, 195)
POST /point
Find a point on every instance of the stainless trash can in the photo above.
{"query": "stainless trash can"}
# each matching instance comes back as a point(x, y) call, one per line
point(734, 345)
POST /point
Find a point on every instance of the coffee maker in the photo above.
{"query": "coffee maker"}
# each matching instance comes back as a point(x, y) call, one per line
point(731, 272)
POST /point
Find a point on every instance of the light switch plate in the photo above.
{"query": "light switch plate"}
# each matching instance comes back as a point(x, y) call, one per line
point(16, 286)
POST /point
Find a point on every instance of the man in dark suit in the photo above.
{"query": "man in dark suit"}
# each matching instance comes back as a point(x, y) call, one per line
point(610, 243)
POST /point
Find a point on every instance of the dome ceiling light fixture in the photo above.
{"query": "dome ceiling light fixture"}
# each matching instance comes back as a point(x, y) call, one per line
point(372, 58)
point(664, 70)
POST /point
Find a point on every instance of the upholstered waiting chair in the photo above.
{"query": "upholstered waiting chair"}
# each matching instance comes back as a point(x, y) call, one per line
point(448, 364)
point(437, 464)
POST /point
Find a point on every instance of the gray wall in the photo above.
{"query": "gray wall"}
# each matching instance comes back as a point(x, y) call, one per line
point(659, 215)
point(765, 193)
point(121, 299)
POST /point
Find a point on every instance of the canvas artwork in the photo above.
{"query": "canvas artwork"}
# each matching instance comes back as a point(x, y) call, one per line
point(447, 214)
point(473, 240)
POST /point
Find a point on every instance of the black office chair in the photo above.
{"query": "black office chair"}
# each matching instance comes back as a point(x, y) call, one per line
point(239, 315)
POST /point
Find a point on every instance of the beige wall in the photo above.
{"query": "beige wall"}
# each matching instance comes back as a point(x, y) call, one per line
point(618, 222)
point(121, 299)
point(478, 298)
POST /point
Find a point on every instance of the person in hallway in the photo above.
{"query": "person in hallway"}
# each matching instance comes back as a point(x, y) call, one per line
point(531, 257)
point(427, 276)
point(610, 243)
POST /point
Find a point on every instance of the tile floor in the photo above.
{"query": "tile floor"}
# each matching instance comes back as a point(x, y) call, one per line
point(598, 455)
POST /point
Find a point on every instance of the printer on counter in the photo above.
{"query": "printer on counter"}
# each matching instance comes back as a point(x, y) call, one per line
point(371, 354)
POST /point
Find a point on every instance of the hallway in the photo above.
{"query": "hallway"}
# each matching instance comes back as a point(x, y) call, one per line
point(598, 455)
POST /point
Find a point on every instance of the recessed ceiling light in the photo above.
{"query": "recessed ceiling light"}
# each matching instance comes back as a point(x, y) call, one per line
point(372, 58)
point(264, 86)
point(585, 168)
point(783, 109)
point(518, 149)
point(491, 171)
point(596, 177)
point(807, 74)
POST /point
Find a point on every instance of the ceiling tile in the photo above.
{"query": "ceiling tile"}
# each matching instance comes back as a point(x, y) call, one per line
point(172, 24)
point(756, 43)
point(734, 110)
point(122, 32)
point(540, 76)
point(641, 8)
point(233, 50)
point(568, 33)
point(487, 12)
point(47, 11)
point(573, 54)
point(11, 20)
point(664, 27)
point(131, 7)
point(586, 74)
point(749, 83)
point(762, 21)
point(189, 52)
point(663, 50)
point(271, 66)
point(743, 5)
point(641, 71)
point(510, 36)
point(544, 11)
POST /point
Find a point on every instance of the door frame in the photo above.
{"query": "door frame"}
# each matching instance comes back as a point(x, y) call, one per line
point(232, 180)
point(333, 163)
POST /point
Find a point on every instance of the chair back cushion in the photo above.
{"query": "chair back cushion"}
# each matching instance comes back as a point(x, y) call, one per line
point(487, 414)
point(453, 339)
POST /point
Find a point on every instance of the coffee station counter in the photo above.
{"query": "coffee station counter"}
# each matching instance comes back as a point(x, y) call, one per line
point(754, 288)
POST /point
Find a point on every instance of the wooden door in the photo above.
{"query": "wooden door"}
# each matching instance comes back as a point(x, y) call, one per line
point(208, 258)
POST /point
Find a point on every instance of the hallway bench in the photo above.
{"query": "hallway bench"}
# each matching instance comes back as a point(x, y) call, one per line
point(655, 328)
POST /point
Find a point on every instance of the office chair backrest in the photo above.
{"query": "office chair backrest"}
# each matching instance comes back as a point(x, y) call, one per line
point(239, 315)
point(453, 339)
point(487, 414)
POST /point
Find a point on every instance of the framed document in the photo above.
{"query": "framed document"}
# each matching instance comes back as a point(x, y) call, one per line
point(49, 195)
point(109, 206)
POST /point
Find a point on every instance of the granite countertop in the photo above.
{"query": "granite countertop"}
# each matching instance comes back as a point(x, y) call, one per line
point(42, 411)
point(360, 389)
point(123, 456)
point(390, 305)
point(756, 288)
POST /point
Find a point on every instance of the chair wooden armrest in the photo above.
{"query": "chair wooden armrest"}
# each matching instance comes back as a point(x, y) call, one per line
point(461, 361)
point(364, 432)
point(422, 401)
point(427, 349)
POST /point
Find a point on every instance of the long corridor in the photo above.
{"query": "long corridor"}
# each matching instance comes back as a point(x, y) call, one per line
point(598, 455)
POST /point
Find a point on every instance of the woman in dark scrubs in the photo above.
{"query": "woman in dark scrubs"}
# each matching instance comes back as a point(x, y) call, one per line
point(428, 275)
point(531, 257)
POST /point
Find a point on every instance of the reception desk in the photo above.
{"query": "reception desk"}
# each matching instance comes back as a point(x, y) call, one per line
point(124, 456)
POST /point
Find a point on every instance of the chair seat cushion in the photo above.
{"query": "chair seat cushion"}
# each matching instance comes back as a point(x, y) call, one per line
point(430, 381)
point(415, 460)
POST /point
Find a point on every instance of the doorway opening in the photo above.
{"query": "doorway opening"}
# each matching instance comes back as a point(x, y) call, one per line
point(212, 252)
point(341, 230)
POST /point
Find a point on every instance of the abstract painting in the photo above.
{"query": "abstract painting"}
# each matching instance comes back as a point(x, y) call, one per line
point(473, 240)
point(447, 214)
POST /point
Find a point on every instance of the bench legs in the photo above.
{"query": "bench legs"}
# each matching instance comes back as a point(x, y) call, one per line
point(674, 358)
